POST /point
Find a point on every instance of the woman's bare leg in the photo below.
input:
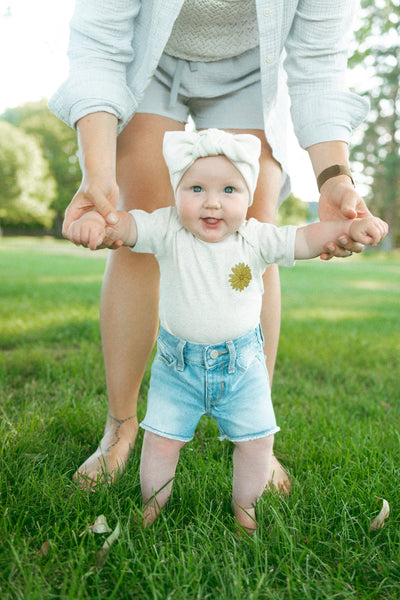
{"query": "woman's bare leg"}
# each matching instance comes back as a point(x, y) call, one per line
point(129, 302)
point(264, 209)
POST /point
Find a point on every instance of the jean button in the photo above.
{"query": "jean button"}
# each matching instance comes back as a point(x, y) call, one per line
point(214, 354)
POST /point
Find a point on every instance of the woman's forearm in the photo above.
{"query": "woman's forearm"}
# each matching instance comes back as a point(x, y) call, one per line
point(97, 138)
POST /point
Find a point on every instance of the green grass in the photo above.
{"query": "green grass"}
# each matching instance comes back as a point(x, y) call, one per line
point(336, 397)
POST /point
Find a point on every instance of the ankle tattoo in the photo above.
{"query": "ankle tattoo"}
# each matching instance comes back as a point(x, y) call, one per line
point(116, 432)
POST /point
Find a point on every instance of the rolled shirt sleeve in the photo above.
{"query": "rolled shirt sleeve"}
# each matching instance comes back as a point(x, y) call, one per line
point(322, 108)
point(100, 51)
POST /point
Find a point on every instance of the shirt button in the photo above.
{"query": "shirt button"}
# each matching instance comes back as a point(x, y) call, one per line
point(267, 12)
point(269, 59)
point(214, 354)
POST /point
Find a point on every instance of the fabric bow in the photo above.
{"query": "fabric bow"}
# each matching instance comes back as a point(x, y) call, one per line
point(182, 148)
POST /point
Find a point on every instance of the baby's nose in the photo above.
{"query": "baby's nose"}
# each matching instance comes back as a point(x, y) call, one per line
point(212, 200)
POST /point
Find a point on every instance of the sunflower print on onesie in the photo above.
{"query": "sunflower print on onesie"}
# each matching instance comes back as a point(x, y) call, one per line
point(240, 277)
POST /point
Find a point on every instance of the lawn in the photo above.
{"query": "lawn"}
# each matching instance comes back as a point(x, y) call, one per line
point(336, 397)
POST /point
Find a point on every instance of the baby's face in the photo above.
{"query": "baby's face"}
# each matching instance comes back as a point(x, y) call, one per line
point(212, 198)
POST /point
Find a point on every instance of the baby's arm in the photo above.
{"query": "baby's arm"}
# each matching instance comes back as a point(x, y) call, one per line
point(311, 239)
point(92, 231)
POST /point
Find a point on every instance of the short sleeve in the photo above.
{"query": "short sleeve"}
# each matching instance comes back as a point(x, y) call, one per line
point(274, 244)
point(154, 229)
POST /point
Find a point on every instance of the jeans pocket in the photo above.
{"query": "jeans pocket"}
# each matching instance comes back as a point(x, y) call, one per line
point(249, 357)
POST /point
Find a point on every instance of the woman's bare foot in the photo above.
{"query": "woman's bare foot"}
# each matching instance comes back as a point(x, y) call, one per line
point(279, 477)
point(110, 458)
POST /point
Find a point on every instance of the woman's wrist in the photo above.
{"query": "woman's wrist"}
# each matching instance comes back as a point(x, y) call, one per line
point(326, 155)
point(333, 171)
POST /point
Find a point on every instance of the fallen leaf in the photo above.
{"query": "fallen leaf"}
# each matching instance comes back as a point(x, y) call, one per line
point(379, 520)
point(99, 526)
point(102, 553)
point(44, 550)
point(111, 538)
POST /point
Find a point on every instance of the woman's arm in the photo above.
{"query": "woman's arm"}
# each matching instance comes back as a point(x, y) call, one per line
point(97, 134)
point(324, 112)
point(338, 197)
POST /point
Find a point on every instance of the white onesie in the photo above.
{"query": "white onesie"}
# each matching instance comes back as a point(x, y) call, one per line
point(211, 292)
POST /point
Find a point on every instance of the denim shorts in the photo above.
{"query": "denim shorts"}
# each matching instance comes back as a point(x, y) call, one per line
point(225, 93)
point(227, 381)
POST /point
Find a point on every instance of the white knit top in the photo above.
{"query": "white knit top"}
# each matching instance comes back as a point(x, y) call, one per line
point(208, 30)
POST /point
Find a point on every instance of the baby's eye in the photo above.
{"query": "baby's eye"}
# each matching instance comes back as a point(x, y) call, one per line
point(196, 188)
point(229, 189)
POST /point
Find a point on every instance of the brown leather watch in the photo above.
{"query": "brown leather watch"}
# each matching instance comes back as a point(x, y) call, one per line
point(333, 171)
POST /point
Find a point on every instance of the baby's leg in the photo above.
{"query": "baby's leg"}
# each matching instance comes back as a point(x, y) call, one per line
point(157, 470)
point(251, 467)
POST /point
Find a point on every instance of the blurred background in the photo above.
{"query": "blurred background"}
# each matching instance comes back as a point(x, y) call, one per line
point(39, 168)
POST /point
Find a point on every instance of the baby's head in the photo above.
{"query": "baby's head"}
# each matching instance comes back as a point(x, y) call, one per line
point(182, 148)
point(214, 175)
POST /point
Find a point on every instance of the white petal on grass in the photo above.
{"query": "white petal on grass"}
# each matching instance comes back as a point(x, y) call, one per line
point(379, 520)
point(102, 553)
point(111, 538)
point(99, 526)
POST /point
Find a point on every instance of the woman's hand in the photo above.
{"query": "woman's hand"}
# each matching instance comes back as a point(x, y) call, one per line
point(97, 192)
point(340, 200)
point(97, 134)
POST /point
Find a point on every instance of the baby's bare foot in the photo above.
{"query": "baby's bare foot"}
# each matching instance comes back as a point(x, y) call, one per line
point(279, 477)
point(245, 521)
point(111, 457)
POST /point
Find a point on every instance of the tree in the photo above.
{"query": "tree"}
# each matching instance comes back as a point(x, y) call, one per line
point(377, 153)
point(293, 211)
point(26, 187)
point(59, 146)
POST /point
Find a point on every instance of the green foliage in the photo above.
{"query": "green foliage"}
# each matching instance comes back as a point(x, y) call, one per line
point(293, 211)
point(336, 400)
point(59, 147)
point(26, 186)
point(377, 151)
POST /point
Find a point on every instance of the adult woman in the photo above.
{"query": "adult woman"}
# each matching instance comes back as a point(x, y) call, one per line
point(139, 69)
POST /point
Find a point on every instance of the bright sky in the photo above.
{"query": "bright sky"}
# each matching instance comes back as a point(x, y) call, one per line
point(33, 63)
point(33, 48)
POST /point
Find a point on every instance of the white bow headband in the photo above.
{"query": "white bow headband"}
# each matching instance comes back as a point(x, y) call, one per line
point(182, 148)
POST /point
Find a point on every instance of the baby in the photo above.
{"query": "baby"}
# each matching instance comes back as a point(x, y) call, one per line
point(210, 357)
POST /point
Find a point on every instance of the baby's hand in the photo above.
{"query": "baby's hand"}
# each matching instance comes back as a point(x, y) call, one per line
point(368, 231)
point(89, 230)
point(92, 231)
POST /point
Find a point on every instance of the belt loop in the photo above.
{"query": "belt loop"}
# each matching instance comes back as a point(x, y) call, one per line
point(232, 356)
point(179, 355)
point(260, 335)
point(176, 82)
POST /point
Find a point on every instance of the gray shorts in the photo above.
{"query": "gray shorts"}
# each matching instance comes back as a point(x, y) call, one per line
point(225, 94)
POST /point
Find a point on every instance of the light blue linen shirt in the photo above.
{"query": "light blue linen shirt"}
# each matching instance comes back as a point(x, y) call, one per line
point(115, 47)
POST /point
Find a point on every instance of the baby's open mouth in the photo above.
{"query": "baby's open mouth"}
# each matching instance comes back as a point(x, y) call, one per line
point(211, 220)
